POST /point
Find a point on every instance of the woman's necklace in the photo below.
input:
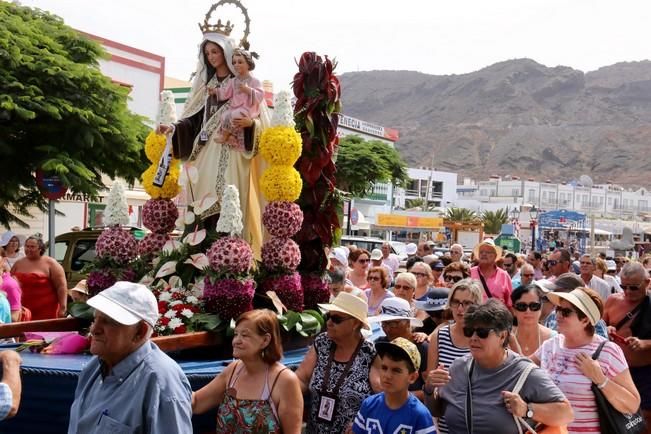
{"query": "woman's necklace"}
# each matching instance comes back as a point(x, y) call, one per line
point(525, 348)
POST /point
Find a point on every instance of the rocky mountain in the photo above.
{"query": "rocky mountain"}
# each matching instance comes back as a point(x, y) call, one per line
point(516, 117)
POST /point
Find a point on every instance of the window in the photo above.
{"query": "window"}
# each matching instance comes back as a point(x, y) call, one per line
point(60, 248)
point(610, 201)
point(83, 254)
point(532, 195)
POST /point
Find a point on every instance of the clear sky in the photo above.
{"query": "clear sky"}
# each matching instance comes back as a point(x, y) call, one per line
point(430, 36)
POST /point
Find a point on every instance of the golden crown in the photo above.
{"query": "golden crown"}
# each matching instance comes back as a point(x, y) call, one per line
point(226, 29)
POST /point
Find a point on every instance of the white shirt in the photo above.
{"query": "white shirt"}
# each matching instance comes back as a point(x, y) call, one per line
point(601, 286)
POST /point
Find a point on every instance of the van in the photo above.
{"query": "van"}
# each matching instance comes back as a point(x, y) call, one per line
point(371, 243)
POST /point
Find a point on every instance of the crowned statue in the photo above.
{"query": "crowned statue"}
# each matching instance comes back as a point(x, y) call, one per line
point(199, 138)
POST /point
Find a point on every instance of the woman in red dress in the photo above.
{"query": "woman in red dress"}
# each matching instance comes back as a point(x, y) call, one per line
point(43, 281)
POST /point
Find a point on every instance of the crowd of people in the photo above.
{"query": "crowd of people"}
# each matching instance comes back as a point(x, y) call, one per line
point(498, 342)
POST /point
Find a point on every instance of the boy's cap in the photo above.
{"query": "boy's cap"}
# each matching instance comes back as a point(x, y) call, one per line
point(402, 347)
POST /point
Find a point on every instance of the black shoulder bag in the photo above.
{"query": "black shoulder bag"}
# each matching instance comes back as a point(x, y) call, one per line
point(611, 420)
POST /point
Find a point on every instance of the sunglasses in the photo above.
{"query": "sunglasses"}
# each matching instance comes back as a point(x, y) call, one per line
point(335, 318)
point(363, 261)
point(552, 262)
point(527, 275)
point(564, 311)
point(373, 278)
point(405, 287)
point(507, 265)
point(482, 332)
point(454, 279)
point(456, 303)
point(631, 287)
point(419, 274)
point(522, 307)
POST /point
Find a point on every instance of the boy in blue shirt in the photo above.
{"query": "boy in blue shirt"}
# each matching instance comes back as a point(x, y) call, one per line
point(395, 410)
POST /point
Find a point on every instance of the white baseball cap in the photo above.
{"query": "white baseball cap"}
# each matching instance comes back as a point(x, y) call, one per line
point(127, 303)
point(376, 255)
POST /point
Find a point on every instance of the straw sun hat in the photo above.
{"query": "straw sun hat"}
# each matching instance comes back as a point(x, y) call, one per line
point(350, 305)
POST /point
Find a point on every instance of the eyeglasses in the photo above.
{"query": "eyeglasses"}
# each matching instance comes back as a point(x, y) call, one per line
point(454, 279)
point(564, 311)
point(507, 265)
point(335, 318)
point(482, 332)
point(552, 262)
point(373, 278)
point(631, 287)
point(456, 303)
point(585, 263)
point(400, 287)
point(419, 274)
point(363, 261)
point(527, 275)
point(522, 307)
point(393, 323)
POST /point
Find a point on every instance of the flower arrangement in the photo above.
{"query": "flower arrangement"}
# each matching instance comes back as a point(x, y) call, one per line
point(159, 215)
point(230, 219)
point(280, 254)
point(282, 218)
point(281, 183)
point(152, 244)
point(170, 187)
point(228, 298)
point(177, 306)
point(230, 255)
point(315, 290)
point(280, 145)
point(118, 244)
point(155, 145)
point(99, 280)
point(117, 209)
point(288, 288)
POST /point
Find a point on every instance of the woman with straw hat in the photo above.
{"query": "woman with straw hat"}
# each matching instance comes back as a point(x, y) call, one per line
point(341, 369)
point(568, 359)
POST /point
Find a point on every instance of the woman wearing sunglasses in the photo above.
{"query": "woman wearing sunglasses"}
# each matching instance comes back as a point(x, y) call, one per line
point(378, 280)
point(359, 262)
point(528, 335)
point(568, 359)
point(476, 396)
point(341, 368)
point(455, 272)
point(448, 343)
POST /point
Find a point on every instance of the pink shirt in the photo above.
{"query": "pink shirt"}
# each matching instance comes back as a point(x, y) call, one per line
point(11, 287)
point(561, 364)
point(499, 284)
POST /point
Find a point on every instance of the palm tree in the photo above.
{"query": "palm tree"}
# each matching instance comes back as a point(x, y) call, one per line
point(493, 220)
point(461, 215)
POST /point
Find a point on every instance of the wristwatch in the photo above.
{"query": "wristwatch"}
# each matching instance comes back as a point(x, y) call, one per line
point(529, 410)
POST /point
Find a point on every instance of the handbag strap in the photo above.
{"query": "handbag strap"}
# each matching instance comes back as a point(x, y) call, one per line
point(483, 283)
point(519, 421)
point(595, 355)
point(630, 315)
point(471, 367)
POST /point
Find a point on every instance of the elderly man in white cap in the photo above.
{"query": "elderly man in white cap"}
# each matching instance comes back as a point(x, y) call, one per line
point(131, 386)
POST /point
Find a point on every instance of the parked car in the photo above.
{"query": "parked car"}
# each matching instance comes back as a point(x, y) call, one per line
point(74, 250)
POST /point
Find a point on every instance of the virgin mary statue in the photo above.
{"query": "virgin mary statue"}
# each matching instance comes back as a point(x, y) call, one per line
point(195, 138)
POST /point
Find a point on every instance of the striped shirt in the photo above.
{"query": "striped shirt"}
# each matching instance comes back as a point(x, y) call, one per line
point(448, 353)
point(561, 364)
point(6, 398)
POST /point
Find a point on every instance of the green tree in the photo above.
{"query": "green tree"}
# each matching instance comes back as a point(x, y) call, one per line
point(361, 163)
point(493, 220)
point(461, 215)
point(58, 112)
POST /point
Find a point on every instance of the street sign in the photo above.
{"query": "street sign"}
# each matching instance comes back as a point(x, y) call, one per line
point(508, 242)
point(50, 185)
point(354, 216)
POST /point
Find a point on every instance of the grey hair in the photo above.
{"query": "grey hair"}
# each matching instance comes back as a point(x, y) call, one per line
point(634, 269)
point(409, 278)
point(476, 291)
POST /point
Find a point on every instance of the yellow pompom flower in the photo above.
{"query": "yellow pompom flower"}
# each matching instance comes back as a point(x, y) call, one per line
point(281, 183)
point(154, 146)
point(281, 145)
point(170, 187)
